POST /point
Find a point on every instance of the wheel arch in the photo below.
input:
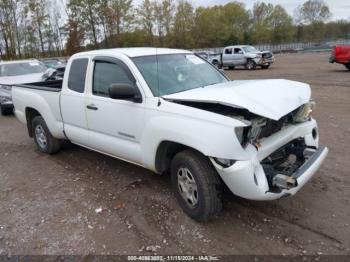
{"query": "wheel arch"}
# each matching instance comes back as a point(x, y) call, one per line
point(31, 113)
point(166, 151)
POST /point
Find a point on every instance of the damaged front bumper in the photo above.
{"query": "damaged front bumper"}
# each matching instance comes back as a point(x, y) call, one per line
point(265, 61)
point(5, 98)
point(251, 180)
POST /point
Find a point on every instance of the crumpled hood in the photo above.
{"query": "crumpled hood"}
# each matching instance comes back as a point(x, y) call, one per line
point(268, 98)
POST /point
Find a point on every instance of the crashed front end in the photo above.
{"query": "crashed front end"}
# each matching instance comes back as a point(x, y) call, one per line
point(284, 155)
point(264, 58)
point(5, 98)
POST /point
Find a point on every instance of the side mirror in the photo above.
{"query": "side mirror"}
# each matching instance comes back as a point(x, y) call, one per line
point(124, 92)
point(240, 52)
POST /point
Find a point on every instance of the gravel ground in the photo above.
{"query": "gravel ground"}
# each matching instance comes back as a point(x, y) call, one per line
point(80, 202)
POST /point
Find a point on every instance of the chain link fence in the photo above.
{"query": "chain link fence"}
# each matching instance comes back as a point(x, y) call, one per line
point(290, 47)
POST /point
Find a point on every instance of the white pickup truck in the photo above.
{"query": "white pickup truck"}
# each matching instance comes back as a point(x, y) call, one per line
point(173, 112)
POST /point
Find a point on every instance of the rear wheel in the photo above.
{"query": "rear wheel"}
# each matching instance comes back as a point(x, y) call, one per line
point(197, 185)
point(348, 66)
point(250, 65)
point(44, 141)
point(265, 66)
point(231, 67)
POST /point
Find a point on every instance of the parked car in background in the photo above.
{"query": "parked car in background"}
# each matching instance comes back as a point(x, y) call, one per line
point(20, 72)
point(172, 112)
point(17, 72)
point(247, 56)
point(341, 55)
point(210, 56)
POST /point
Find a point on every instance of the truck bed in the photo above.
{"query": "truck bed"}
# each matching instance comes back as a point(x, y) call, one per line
point(44, 99)
point(53, 86)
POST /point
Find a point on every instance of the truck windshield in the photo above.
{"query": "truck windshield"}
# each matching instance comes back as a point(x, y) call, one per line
point(17, 69)
point(175, 73)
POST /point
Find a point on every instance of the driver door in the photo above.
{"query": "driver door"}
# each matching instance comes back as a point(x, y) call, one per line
point(115, 126)
point(238, 56)
point(227, 58)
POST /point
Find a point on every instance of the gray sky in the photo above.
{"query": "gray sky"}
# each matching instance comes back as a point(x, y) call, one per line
point(339, 8)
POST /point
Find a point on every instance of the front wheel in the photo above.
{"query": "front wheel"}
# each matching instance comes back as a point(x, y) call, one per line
point(44, 141)
point(197, 185)
point(250, 65)
point(348, 66)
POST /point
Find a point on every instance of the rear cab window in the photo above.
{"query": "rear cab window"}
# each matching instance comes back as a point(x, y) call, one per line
point(77, 74)
point(228, 51)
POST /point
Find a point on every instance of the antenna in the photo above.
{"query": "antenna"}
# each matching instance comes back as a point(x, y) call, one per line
point(159, 101)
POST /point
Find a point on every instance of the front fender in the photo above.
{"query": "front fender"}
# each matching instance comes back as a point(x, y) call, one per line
point(208, 137)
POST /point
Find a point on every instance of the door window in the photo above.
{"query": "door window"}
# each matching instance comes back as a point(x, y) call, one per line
point(106, 74)
point(77, 75)
point(238, 51)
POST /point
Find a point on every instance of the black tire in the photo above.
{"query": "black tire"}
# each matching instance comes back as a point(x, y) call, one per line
point(265, 66)
point(6, 111)
point(231, 67)
point(208, 184)
point(347, 66)
point(216, 63)
point(52, 144)
point(250, 65)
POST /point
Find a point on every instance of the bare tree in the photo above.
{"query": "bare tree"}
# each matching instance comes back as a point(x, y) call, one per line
point(312, 11)
point(146, 15)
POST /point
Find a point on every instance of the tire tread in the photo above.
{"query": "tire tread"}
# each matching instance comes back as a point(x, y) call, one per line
point(209, 178)
point(53, 143)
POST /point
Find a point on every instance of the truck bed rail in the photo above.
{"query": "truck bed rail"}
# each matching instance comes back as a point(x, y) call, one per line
point(52, 86)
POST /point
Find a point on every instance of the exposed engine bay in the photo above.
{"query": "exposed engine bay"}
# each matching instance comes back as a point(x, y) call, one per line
point(266, 54)
point(281, 166)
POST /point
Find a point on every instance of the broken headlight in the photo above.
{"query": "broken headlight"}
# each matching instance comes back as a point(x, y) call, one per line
point(304, 112)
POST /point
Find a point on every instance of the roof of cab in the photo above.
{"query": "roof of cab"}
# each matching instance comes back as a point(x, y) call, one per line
point(237, 46)
point(135, 51)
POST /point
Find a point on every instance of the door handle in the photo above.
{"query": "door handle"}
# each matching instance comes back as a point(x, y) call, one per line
point(92, 107)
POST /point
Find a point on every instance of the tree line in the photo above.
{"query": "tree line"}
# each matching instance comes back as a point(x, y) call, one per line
point(39, 28)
